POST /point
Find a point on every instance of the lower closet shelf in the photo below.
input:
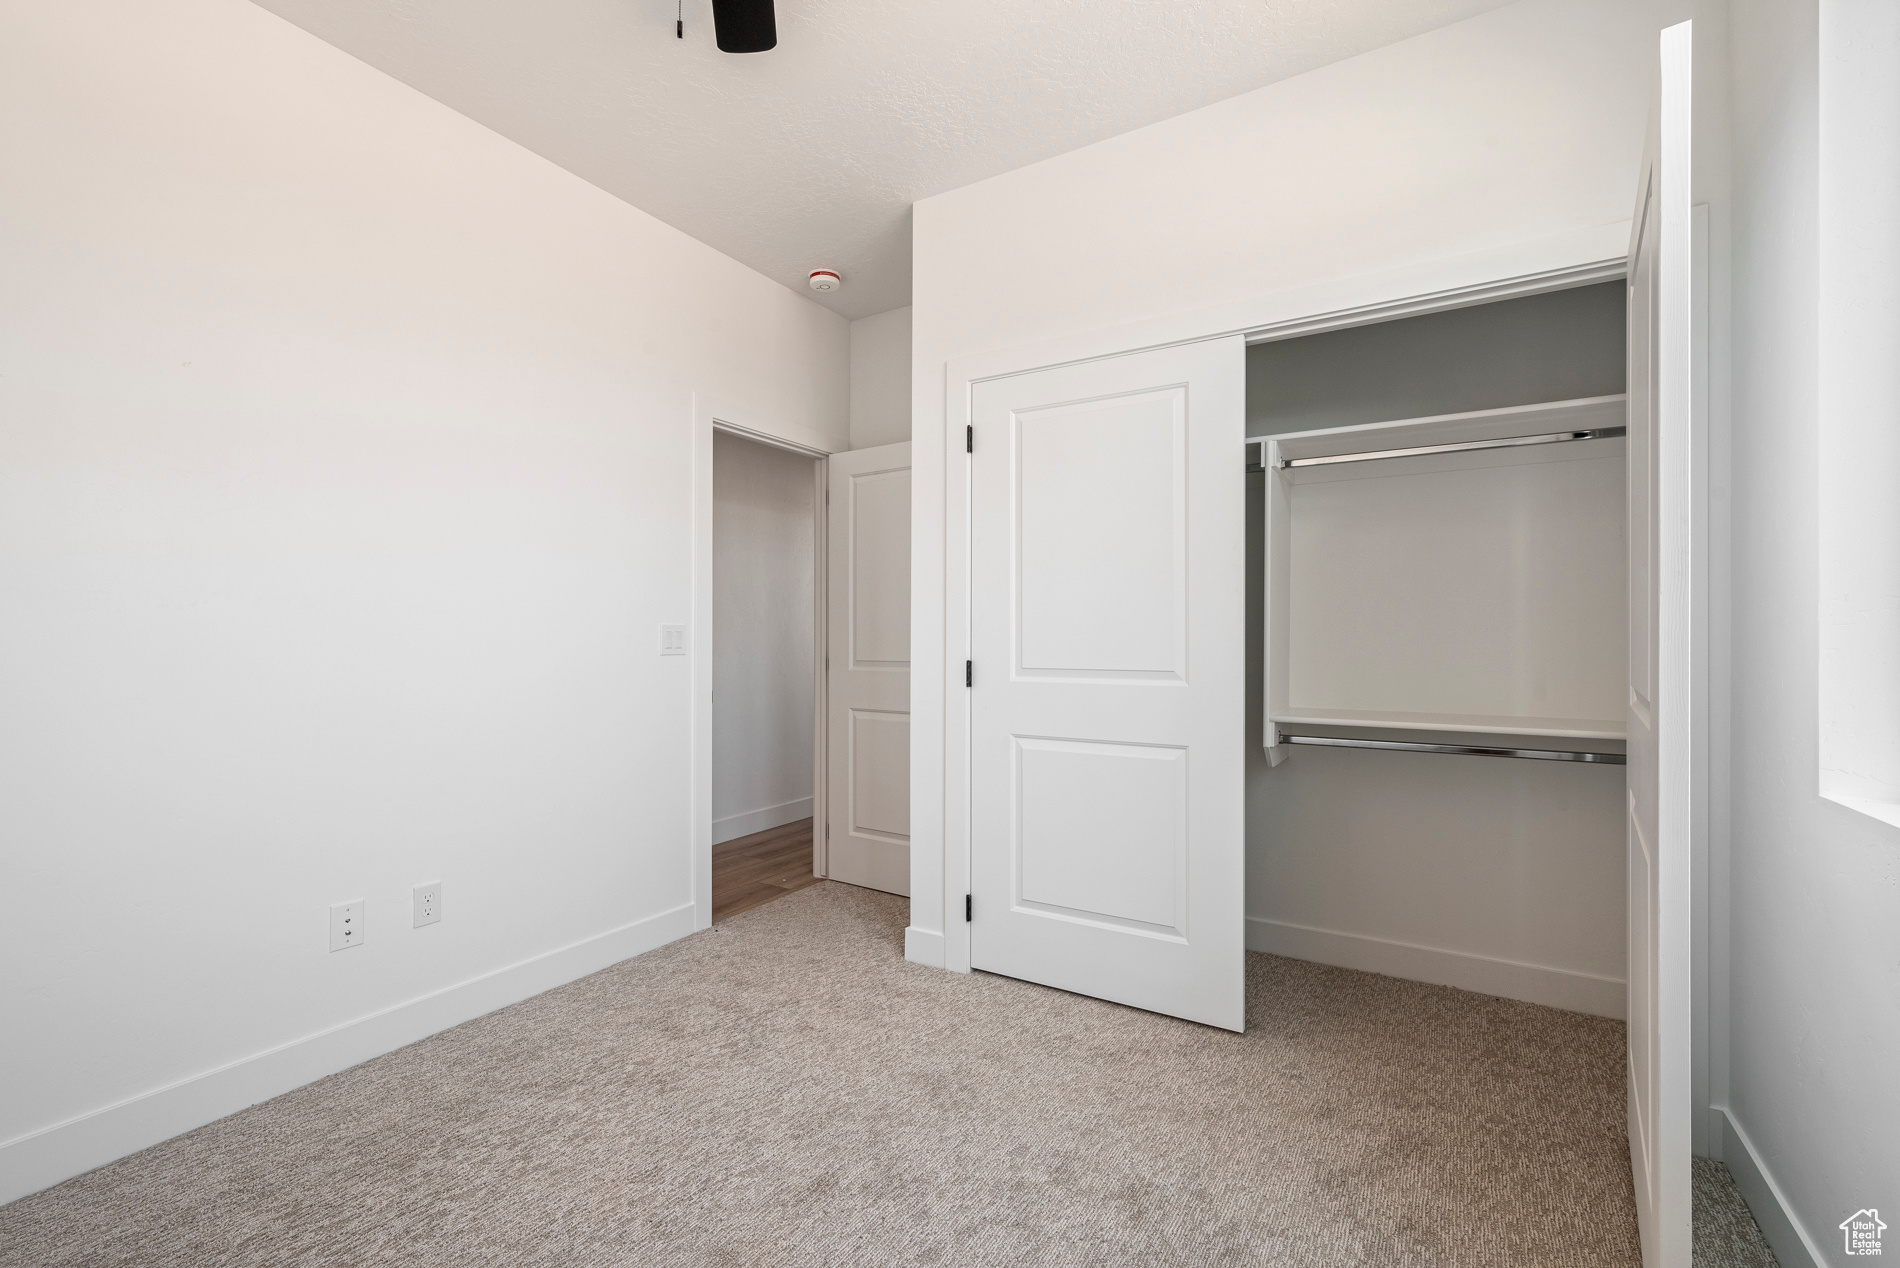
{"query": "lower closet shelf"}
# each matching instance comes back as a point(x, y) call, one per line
point(1463, 750)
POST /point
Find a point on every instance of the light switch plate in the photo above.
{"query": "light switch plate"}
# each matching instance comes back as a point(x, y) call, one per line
point(346, 925)
point(427, 902)
point(672, 640)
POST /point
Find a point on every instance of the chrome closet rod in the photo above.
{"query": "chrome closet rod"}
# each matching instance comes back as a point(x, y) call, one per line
point(1510, 442)
point(1466, 750)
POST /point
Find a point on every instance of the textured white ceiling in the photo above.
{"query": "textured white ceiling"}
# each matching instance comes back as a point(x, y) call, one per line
point(809, 156)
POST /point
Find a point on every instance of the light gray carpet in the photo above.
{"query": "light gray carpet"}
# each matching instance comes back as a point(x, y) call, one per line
point(1726, 1235)
point(784, 1090)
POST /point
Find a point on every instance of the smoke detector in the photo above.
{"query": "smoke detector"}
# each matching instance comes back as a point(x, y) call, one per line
point(825, 280)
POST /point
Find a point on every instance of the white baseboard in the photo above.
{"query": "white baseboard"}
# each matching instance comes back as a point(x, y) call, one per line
point(1786, 1235)
point(732, 827)
point(1533, 983)
point(921, 946)
point(36, 1161)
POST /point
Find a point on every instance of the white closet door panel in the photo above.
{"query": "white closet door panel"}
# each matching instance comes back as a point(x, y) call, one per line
point(1474, 585)
point(1108, 542)
point(1102, 832)
point(868, 663)
point(1102, 547)
point(1659, 711)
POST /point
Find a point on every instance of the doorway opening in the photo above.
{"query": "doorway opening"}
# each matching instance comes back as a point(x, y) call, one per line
point(767, 670)
point(801, 737)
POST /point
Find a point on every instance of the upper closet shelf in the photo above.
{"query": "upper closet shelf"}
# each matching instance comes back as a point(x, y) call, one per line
point(1468, 590)
point(1587, 414)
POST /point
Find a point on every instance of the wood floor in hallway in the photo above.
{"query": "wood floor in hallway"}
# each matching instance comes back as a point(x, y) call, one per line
point(748, 872)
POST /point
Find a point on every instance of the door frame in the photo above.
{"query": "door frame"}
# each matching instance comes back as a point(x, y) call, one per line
point(939, 668)
point(709, 417)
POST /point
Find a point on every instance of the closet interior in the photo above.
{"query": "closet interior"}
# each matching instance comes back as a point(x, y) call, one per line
point(1438, 558)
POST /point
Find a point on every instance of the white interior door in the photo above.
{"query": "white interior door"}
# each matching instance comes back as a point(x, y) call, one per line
point(1108, 544)
point(868, 669)
point(1660, 494)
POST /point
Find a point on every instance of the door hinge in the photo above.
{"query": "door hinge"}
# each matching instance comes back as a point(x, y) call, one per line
point(969, 439)
point(969, 908)
point(969, 674)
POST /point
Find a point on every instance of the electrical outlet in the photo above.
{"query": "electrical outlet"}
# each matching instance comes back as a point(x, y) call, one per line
point(346, 925)
point(427, 903)
point(672, 640)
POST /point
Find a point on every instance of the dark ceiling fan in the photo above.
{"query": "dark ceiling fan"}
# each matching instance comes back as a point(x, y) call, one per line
point(744, 26)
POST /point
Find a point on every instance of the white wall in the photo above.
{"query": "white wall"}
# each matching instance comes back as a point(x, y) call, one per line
point(344, 481)
point(762, 713)
point(880, 379)
point(1504, 145)
point(1813, 887)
